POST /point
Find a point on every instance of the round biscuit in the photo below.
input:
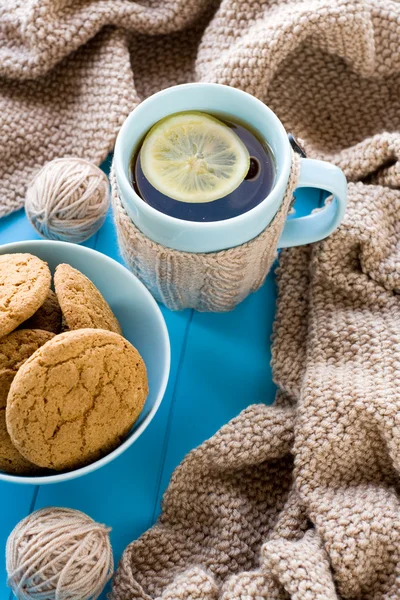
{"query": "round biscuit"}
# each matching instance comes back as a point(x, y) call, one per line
point(76, 398)
point(24, 285)
point(15, 349)
point(81, 303)
point(47, 317)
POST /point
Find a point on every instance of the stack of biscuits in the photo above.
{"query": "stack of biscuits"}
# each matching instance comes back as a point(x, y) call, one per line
point(71, 386)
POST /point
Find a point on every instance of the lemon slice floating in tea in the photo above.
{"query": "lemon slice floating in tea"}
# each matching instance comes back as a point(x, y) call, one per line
point(194, 157)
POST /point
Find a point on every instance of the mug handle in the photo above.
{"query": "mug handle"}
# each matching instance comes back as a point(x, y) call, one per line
point(317, 226)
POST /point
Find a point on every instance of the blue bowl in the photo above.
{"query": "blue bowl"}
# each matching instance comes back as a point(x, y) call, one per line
point(141, 321)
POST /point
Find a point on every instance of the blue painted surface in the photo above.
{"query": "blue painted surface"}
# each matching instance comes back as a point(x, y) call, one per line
point(220, 365)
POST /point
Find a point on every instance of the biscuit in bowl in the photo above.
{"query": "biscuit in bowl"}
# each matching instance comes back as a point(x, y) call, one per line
point(76, 398)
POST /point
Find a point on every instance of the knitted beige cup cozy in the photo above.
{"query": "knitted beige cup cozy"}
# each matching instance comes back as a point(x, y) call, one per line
point(214, 281)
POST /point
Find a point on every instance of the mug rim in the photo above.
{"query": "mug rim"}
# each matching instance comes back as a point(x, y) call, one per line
point(127, 188)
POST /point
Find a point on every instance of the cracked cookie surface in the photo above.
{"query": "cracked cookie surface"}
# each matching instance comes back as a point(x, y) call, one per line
point(47, 317)
point(76, 398)
point(81, 302)
point(24, 285)
point(15, 349)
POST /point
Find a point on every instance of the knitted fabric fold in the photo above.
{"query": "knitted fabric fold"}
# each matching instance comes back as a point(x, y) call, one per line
point(213, 281)
point(300, 499)
point(71, 71)
point(327, 452)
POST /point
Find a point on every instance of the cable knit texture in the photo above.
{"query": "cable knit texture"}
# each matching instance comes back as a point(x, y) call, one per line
point(213, 281)
point(299, 500)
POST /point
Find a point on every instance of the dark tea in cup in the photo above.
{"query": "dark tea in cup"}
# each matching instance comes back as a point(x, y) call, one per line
point(202, 167)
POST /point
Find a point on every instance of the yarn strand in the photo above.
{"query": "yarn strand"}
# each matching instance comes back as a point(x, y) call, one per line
point(68, 200)
point(58, 554)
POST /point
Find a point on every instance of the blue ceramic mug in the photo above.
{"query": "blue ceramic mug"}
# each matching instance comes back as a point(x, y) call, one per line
point(192, 236)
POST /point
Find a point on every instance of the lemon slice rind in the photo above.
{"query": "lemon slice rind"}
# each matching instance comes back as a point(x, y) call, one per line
point(194, 157)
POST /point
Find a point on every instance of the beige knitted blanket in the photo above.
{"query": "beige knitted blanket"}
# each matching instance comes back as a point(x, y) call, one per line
point(71, 70)
point(299, 500)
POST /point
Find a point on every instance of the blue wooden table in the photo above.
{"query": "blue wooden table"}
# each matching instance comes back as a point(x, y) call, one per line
point(220, 365)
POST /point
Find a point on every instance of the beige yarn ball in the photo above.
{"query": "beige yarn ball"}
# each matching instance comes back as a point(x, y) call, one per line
point(68, 200)
point(58, 554)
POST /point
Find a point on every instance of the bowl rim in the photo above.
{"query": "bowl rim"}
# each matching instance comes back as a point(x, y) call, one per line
point(13, 247)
